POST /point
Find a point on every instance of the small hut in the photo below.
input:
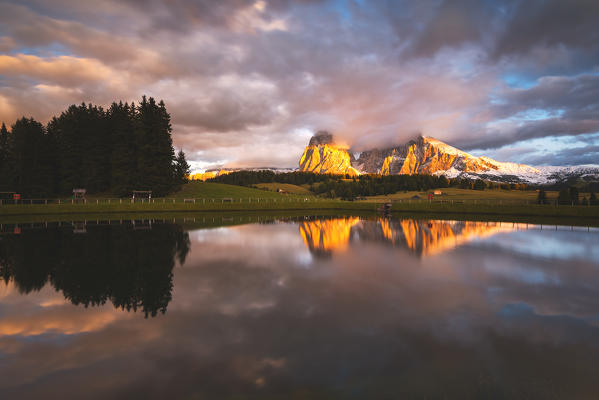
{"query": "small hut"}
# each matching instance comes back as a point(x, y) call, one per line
point(79, 195)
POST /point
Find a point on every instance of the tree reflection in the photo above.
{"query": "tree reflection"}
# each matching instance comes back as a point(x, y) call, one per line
point(131, 269)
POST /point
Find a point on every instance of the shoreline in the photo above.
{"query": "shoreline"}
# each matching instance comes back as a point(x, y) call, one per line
point(570, 215)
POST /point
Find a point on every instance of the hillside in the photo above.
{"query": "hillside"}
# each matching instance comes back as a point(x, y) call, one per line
point(197, 189)
point(286, 187)
point(426, 155)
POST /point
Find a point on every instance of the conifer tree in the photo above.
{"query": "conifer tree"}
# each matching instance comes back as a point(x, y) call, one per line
point(182, 168)
point(564, 197)
point(542, 197)
point(29, 161)
point(121, 122)
point(573, 194)
point(156, 152)
point(69, 132)
point(3, 157)
point(97, 148)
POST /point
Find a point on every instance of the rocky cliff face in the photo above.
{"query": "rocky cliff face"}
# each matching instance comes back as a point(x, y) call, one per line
point(324, 156)
point(421, 156)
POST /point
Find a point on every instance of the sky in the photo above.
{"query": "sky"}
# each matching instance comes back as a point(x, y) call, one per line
point(247, 82)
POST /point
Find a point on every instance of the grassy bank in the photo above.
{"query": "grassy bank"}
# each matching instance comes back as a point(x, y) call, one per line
point(293, 204)
point(496, 209)
point(210, 219)
point(239, 204)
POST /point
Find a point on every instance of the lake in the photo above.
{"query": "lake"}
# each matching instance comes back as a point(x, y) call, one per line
point(297, 308)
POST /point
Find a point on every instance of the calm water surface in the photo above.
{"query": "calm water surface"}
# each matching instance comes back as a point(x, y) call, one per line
point(310, 308)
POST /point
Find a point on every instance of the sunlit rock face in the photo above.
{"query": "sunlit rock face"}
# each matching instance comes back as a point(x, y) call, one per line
point(423, 155)
point(324, 156)
point(203, 176)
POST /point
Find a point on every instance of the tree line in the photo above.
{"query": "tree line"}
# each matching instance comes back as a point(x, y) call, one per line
point(570, 196)
point(126, 147)
point(349, 187)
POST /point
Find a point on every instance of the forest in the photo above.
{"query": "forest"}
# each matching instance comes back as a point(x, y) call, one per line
point(348, 188)
point(123, 148)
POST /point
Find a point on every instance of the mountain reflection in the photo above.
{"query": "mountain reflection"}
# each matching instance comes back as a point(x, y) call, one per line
point(133, 269)
point(423, 237)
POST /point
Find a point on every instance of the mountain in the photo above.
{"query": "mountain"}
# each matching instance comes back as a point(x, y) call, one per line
point(324, 156)
point(212, 173)
point(426, 155)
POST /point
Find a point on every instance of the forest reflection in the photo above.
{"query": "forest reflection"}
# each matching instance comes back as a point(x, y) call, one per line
point(133, 269)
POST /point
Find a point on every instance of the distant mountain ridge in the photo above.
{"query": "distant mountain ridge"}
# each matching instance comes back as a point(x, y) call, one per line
point(214, 172)
point(426, 155)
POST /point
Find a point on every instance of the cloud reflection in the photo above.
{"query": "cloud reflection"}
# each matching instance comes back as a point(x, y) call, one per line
point(374, 319)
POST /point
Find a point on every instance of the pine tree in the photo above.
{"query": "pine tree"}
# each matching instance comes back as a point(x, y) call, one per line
point(156, 152)
point(121, 122)
point(564, 197)
point(29, 161)
point(542, 197)
point(97, 148)
point(479, 184)
point(4, 157)
point(573, 195)
point(593, 199)
point(182, 168)
point(69, 131)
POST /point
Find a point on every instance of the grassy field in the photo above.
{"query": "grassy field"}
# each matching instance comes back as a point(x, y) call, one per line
point(293, 204)
point(287, 187)
point(217, 197)
point(456, 194)
point(220, 190)
point(239, 204)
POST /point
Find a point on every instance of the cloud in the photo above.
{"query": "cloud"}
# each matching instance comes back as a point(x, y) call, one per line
point(550, 23)
point(569, 106)
point(237, 72)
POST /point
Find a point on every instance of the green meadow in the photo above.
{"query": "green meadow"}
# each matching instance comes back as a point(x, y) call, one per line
point(218, 197)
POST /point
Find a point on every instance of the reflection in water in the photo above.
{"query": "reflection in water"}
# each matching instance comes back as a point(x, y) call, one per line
point(324, 235)
point(424, 237)
point(132, 269)
point(492, 311)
